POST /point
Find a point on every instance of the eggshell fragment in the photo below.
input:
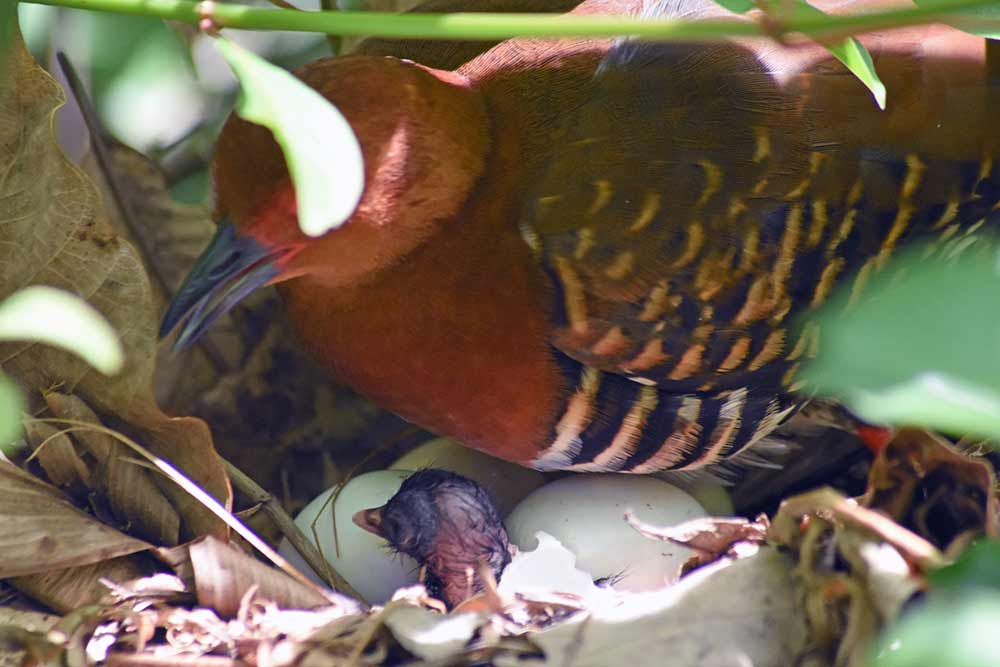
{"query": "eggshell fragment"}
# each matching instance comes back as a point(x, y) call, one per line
point(507, 483)
point(364, 560)
point(586, 514)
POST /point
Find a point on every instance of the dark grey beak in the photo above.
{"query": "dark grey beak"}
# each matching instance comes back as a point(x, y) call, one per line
point(230, 269)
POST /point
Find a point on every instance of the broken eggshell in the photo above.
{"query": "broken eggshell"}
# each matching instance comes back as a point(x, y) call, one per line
point(364, 560)
point(586, 514)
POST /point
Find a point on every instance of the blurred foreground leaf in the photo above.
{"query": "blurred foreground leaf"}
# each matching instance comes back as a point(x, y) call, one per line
point(322, 153)
point(8, 14)
point(11, 408)
point(48, 315)
point(850, 51)
point(991, 12)
point(945, 632)
point(951, 627)
point(922, 347)
point(978, 567)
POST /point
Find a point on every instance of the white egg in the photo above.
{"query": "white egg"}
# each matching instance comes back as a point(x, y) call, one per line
point(713, 497)
point(507, 483)
point(709, 492)
point(586, 514)
point(364, 560)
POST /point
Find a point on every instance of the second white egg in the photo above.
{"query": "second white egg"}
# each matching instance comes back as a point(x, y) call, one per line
point(586, 514)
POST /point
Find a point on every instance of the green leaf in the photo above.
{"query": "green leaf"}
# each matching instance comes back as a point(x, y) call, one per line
point(850, 51)
point(978, 567)
point(322, 153)
point(921, 347)
point(737, 6)
point(8, 23)
point(991, 12)
point(944, 633)
point(857, 59)
point(11, 408)
point(52, 316)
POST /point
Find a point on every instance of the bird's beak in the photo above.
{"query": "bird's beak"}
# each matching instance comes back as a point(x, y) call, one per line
point(230, 268)
point(370, 520)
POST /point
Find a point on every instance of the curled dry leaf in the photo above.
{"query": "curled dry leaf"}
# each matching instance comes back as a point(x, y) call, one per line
point(160, 588)
point(130, 490)
point(57, 456)
point(224, 575)
point(928, 485)
point(857, 567)
point(51, 233)
point(861, 561)
point(832, 507)
point(77, 587)
point(43, 531)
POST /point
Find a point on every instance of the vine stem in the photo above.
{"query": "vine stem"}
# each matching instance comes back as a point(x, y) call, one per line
point(476, 26)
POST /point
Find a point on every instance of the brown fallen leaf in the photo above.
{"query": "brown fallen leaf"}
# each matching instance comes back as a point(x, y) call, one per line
point(57, 456)
point(224, 575)
point(51, 232)
point(930, 486)
point(129, 489)
point(832, 507)
point(43, 531)
point(76, 587)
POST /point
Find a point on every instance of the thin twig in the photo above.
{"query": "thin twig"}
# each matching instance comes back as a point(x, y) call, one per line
point(494, 26)
point(335, 41)
point(286, 525)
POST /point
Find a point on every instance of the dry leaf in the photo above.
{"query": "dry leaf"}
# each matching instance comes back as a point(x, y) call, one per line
point(76, 587)
point(51, 233)
point(223, 575)
point(57, 456)
point(931, 487)
point(14, 622)
point(130, 489)
point(43, 531)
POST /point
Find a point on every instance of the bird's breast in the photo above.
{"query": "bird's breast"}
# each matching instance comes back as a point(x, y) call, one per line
point(454, 338)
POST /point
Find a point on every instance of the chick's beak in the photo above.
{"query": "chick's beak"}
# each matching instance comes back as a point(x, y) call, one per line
point(370, 520)
point(230, 268)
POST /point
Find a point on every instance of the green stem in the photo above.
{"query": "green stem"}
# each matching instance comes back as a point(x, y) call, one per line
point(467, 26)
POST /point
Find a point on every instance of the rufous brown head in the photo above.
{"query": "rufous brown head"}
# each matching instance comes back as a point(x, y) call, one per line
point(424, 141)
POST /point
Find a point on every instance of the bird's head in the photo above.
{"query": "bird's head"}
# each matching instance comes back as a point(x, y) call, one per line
point(424, 138)
point(447, 523)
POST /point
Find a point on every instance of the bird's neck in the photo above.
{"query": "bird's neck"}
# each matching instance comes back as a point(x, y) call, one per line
point(460, 321)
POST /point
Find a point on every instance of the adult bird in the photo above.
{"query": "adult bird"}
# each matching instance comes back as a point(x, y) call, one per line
point(595, 254)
